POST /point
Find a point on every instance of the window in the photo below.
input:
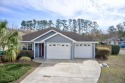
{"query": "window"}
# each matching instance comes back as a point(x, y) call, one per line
point(50, 45)
point(29, 46)
point(77, 45)
point(54, 44)
point(62, 44)
point(24, 47)
point(58, 44)
point(88, 44)
point(80, 44)
point(66, 45)
point(84, 44)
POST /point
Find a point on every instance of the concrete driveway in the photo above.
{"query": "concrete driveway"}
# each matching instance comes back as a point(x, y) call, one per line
point(65, 71)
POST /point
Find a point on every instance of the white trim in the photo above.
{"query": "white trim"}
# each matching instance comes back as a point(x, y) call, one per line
point(34, 49)
point(86, 42)
point(38, 50)
point(43, 34)
point(32, 46)
point(44, 56)
point(94, 50)
point(57, 34)
point(41, 50)
point(39, 42)
point(24, 41)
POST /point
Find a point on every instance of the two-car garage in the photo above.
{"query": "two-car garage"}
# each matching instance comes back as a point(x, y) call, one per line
point(65, 51)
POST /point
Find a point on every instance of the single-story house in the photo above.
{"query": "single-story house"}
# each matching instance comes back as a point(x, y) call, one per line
point(52, 43)
point(115, 41)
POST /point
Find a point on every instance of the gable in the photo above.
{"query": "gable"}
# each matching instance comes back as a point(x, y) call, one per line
point(37, 36)
point(58, 38)
point(45, 36)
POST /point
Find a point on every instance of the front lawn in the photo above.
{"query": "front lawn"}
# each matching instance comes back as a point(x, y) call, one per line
point(12, 72)
point(116, 71)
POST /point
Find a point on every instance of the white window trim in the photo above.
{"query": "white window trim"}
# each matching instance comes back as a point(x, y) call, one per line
point(27, 46)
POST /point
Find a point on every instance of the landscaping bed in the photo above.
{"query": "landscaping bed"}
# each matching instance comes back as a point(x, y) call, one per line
point(115, 73)
point(11, 72)
point(16, 72)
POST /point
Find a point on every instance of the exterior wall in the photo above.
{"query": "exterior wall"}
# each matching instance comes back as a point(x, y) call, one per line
point(45, 36)
point(59, 39)
point(113, 43)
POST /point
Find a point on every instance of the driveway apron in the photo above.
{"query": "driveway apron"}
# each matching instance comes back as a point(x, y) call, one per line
point(65, 71)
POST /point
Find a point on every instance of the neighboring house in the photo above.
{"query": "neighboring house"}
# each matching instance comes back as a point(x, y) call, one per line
point(52, 43)
point(112, 41)
point(115, 41)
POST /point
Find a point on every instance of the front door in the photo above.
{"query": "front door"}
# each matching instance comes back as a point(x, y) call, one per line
point(41, 50)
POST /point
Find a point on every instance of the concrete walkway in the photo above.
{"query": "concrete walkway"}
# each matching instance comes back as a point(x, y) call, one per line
point(65, 71)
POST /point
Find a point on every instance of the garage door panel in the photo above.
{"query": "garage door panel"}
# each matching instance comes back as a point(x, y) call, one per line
point(58, 51)
point(83, 51)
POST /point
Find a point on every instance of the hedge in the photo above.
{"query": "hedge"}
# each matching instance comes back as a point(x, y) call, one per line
point(102, 52)
point(28, 53)
point(115, 49)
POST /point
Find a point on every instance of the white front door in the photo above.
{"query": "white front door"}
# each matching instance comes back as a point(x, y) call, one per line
point(58, 51)
point(83, 50)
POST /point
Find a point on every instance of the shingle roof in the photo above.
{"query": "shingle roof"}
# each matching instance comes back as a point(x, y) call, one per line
point(72, 35)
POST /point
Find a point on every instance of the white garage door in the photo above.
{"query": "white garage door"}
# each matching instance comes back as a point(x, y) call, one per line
point(83, 51)
point(58, 51)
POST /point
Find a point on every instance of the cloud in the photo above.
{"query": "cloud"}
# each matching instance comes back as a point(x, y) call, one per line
point(4, 9)
point(105, 12)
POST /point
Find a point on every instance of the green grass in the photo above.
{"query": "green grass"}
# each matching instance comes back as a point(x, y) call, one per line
point(116, 71)
point(11, 72)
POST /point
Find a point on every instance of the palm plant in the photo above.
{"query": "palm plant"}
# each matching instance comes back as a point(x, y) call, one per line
point(10, 40)
point(3, 25)
point(13, 46)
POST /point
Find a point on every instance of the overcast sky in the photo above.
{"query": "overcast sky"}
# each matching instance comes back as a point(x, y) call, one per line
point(105, 12)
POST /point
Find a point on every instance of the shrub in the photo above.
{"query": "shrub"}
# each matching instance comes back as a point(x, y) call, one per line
point(28, 53)
point(4, 58)
point(24, 58)
point(102, 52)
point(115, 49)
point(11, 55)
